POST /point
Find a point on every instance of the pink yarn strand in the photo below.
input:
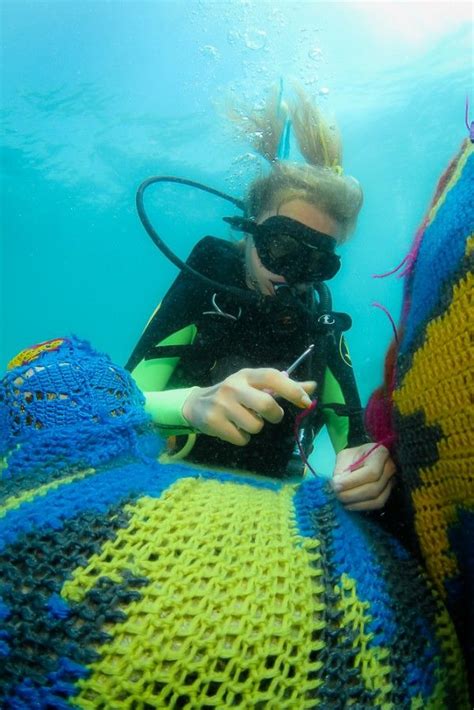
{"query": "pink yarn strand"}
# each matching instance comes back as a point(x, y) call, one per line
point(360, 460)
point(387, 313)
point(392, 271)
point(384, 442)
point(409, 260)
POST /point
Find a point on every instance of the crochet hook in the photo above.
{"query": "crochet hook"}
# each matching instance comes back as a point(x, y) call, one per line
point(298, 360)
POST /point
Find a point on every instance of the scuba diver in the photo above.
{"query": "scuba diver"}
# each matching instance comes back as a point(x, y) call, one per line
point(213, 359)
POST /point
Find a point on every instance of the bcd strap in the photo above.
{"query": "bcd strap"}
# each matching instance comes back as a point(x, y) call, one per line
point(160, 351)
point(342, 410)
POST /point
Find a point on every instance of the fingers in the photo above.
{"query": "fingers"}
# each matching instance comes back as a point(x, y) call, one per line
point(247, 420)
point(237, 408)
point(228, 431)
point(376, 503)
point(279, 384)
point(369, 471)
point(263, 405)
point(368, 488)
point(242, 400)
point(212, 415)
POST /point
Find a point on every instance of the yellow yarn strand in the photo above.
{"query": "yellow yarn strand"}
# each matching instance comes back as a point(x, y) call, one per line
point(235, 603)
point(15, 502)
point(445, 359)
point(373, 662)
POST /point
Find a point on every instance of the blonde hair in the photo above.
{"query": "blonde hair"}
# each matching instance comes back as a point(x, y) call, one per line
point(319, 182)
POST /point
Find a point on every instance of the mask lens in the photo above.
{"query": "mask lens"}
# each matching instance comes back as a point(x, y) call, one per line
point(280, 246)
point(321, 264)
point(297, 262)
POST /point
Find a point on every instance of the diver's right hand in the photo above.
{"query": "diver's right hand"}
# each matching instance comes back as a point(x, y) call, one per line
point(237, 407)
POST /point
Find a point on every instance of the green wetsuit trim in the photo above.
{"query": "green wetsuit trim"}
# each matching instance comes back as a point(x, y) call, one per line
point(166, 410)
point(337, 425)
point(152, 376)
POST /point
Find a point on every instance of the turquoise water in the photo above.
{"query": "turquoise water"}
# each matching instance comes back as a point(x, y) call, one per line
point(96, 96)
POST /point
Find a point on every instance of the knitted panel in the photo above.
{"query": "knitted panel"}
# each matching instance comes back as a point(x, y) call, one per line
point(54, 395)
point(132, 584)
point(430, 410)
point(151, 586)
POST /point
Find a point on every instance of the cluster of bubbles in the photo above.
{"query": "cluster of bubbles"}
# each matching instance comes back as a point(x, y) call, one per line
point(249, 44)
point(251, 38)
point(242, 170)
point(263, 42)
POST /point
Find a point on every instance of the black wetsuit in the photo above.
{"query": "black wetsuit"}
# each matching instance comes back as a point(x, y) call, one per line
point(266, 332)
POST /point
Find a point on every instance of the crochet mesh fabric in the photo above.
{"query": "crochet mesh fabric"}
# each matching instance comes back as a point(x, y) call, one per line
point(52, 398)
point(428, 394)
point(42, 390)
point(125, 583)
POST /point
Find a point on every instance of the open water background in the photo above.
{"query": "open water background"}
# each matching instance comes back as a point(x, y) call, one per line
point(97, 95)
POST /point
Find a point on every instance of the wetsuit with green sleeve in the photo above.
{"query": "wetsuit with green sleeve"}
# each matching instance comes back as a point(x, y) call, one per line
point(217, 335)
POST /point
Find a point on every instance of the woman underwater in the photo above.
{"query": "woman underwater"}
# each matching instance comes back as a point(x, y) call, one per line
point(215, 365)
point(126, 583)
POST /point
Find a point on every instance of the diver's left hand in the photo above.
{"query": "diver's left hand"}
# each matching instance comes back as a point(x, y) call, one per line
point(369, 486)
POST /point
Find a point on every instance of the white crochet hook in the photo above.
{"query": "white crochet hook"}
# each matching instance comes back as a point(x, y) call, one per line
point(293, 367)
point(298, 360)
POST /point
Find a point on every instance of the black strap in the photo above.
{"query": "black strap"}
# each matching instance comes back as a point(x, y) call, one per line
point(342, 410)
point(168, 351)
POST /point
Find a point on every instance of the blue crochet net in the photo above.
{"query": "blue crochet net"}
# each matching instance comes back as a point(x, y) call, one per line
point(70, 404)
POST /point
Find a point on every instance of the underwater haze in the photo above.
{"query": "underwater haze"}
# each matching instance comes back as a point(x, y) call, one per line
point(98, 95)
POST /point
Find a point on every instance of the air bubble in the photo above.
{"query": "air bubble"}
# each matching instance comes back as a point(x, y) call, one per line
point(323, 91)
point(210, 51)
point(233, 36)
point(316, 54)
point(255, 39)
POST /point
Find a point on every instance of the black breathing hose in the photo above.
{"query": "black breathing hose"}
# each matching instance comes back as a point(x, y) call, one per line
point(246, 295)
point(325, 303)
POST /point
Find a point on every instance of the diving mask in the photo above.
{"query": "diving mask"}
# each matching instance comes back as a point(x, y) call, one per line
point(291, 249)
